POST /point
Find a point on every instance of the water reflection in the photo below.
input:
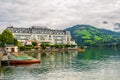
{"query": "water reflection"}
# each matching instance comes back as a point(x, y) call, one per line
point(93, 64)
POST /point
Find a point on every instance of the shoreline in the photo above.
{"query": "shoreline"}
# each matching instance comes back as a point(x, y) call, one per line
point(47, 50)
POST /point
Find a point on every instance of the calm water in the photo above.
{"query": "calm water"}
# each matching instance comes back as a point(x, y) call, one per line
point(93, 64)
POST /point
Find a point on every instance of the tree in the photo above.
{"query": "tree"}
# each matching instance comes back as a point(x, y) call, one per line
point(34, 43)
point(7, 37)
point(19, 44)
point(1, 41)
point(67, 45)
point(73, 46)
point(44, 45)
point(16, 42)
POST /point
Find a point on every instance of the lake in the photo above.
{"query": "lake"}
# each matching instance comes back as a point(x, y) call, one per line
point(96, 63)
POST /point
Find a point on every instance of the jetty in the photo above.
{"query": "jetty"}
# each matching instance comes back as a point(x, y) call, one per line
point(4, 59)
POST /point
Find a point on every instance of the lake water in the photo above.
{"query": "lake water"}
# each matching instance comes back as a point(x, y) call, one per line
point(93, 64)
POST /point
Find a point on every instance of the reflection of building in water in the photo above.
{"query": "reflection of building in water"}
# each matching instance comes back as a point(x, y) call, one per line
point(41, 34)
point(68, 57)
point(38, 56)
point(57, 59)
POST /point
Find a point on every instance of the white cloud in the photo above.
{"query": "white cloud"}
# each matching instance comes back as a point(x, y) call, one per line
point(59, 13)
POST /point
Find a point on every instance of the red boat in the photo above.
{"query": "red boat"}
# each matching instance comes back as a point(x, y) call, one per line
point(23, 60)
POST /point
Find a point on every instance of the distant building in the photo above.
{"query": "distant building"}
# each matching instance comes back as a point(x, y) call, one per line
point(41, 34)
point(11, 48)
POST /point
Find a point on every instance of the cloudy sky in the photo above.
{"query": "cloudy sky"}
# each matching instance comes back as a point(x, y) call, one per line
point(59, 14)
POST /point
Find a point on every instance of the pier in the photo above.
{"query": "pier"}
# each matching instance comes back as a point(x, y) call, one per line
point(4, 59)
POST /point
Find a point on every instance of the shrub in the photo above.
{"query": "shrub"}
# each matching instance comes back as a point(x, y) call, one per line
point(22, 48)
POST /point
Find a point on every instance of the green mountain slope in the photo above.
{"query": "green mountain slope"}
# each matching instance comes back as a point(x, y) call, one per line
point(89, 35)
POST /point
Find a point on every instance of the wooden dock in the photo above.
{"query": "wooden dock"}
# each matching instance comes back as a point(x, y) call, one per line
point(1, 53)
point(4, 59)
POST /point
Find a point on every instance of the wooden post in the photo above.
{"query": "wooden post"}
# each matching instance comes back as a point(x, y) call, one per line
point(0, 63)
point(0, 57)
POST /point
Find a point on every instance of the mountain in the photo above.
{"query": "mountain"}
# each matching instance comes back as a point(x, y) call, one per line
point(89, 35)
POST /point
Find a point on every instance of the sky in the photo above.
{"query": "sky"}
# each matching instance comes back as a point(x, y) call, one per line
point(59, 14)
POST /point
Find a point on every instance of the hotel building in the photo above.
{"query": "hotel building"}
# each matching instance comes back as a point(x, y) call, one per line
point(42, 34)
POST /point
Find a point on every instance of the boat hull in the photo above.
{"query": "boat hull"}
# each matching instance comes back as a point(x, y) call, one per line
point(23, 61)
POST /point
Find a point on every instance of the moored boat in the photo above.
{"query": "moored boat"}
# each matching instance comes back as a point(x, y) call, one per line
point(80, 50)
point(23, 60)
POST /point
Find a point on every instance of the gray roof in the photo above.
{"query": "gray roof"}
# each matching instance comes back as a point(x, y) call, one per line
point(10, 45)
point(37, 30)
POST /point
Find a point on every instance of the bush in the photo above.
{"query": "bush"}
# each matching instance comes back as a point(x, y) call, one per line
point(22, 48)
point(81, 47)
point(44, 45)
point(28, 46)
point(34, 43)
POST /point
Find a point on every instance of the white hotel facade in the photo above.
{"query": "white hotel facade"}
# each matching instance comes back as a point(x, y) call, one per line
point(42, 34)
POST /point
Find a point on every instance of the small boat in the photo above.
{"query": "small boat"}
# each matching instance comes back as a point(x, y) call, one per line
point(24, 59)
point(80, 50)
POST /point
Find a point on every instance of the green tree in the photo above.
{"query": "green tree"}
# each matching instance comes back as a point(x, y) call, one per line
point(73, 46)
point(16, 42)
point(67, 45)
point(34, 43)
point(44, 45)
point(19, 44)
point(7, 37)
point(1, 41)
